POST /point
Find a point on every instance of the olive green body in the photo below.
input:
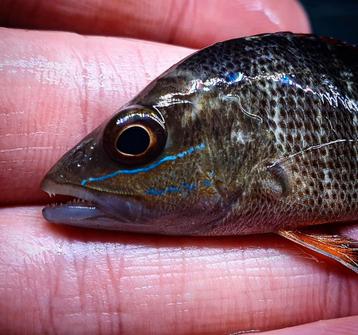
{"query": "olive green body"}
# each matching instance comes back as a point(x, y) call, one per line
point(267, 128)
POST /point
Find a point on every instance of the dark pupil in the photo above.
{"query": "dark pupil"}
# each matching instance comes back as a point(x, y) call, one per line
point(133, 141)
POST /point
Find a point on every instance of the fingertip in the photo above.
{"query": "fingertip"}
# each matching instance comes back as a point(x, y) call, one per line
point(225, 20)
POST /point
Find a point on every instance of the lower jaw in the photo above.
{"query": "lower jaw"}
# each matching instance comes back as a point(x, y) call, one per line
point(71, 212)
point(90, 208)
point(90, 217)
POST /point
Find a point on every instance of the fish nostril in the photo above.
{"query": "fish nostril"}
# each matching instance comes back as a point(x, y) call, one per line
point(82, 155)
point(78, 156)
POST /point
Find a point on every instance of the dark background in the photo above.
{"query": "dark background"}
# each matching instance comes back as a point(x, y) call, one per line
point(334, 18)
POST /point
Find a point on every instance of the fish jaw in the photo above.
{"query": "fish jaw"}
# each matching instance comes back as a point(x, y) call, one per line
point(93, 209)
point(98, 210)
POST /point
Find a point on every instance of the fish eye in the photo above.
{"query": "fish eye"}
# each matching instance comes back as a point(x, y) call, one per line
point(135, 136)
point(133, 140)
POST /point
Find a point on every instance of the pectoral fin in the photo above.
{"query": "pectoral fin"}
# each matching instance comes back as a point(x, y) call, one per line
point(340, 248)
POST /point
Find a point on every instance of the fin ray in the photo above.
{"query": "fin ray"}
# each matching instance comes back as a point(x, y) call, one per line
point(340, 248)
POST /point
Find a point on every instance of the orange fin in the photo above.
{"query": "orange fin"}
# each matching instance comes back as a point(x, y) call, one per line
point(340, 248)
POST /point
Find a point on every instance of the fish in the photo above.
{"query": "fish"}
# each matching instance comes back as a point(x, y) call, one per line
point(252, 135)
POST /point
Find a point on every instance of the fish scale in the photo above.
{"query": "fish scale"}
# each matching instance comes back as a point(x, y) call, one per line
point(260, 135)
point(301, 107)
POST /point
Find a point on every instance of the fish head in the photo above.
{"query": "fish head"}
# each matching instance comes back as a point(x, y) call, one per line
point(146, 169)
point(174, 160)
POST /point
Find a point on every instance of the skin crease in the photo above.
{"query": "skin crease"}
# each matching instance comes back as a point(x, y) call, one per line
point(55, 88)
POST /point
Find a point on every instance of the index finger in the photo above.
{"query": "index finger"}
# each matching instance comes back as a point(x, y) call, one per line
point(191, 23)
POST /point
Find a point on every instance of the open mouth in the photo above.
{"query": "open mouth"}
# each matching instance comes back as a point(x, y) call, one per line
point(82, 207)
point(91, 209)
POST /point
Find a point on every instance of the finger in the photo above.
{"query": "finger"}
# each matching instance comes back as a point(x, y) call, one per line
point(192, 23)
point(346, 326)
point(72, 281)
point(55, 88)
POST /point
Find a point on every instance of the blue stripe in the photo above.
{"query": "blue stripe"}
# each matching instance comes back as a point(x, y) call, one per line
point(233, 77)
point(183, 188)
point(147, 168)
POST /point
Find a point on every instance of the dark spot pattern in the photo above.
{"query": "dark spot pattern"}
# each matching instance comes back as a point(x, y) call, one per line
point(286, 99)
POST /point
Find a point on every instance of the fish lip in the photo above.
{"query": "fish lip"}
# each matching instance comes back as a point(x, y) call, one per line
point(122, 214)
point(71, 212)
point(53, 188)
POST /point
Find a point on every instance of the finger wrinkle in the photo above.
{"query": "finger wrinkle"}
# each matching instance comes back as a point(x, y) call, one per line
point(105, 307)
point(107, 286)
point(38, 295)
point(116, 275)
point(24, 148)
point(44, 70)
point(82, 91)
point(143, 66)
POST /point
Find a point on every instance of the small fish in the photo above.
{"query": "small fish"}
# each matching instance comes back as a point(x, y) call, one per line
point(251, 135)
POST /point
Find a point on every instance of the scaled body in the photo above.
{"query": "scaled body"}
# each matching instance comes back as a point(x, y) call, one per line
point(260, 134)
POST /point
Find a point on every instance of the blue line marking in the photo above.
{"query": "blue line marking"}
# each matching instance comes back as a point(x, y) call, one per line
point(155, 191)
point(147, 168)
point(286, 80)
point(207, 183)
point(189, 187)
point(233, 77)
point(184, 187)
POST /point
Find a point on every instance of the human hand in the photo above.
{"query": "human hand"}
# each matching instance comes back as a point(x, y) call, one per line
point(55, 88)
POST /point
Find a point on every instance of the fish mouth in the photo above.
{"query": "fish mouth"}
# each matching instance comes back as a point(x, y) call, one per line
point(93, 209)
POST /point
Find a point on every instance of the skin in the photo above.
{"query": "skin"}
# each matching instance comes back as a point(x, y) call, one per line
point(55, 88)
point(188, 23)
